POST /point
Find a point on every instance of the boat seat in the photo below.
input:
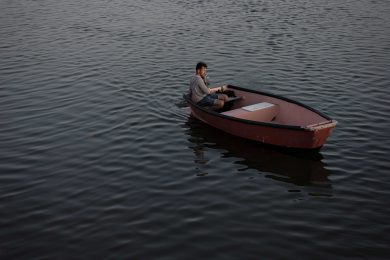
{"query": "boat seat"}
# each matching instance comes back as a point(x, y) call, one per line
point(263, 111)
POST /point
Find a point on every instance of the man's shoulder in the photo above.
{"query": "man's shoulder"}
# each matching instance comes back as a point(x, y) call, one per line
point(195, 79)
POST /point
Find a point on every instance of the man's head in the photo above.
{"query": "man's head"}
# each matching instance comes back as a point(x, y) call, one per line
point(201, 69)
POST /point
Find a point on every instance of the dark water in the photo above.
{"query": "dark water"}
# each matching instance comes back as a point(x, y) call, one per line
point(100, 159)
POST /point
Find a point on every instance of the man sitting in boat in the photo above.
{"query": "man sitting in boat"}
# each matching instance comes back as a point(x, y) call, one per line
point(201, 94)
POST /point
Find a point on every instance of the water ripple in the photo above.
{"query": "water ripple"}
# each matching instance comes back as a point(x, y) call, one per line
point(100, 157)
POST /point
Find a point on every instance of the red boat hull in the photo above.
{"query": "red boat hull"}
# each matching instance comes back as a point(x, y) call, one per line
point(292, 136)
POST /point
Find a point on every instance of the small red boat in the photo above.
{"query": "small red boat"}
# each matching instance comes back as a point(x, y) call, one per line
point(268, 119)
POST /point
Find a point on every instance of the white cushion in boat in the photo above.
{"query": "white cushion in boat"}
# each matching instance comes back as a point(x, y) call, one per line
point(262, 112)
point(258, 106)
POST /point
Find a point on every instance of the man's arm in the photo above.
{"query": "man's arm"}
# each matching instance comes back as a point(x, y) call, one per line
point(203, 86)
point(216, 89)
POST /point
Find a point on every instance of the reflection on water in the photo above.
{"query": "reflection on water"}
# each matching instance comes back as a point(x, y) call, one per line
point(96, 161)
point(301, 168)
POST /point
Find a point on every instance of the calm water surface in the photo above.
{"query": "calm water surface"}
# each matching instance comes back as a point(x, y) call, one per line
point(100, 158)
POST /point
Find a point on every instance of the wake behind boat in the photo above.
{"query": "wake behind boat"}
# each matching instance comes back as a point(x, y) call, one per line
point(268, 119)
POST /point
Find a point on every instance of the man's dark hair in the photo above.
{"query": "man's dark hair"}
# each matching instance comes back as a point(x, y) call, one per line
point(201, 65)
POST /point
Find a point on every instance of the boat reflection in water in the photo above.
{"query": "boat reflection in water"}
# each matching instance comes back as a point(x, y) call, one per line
point(298, 167)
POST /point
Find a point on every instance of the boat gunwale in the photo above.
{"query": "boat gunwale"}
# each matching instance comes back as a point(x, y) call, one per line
point(268, 124)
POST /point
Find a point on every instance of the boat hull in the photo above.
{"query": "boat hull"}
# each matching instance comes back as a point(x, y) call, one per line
point(291, 136)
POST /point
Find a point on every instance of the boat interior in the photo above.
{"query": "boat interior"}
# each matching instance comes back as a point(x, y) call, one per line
point(263, 108)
